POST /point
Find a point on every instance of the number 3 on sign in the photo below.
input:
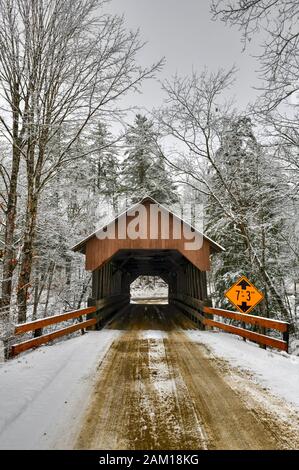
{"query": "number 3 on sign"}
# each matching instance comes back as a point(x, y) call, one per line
point(244, 295)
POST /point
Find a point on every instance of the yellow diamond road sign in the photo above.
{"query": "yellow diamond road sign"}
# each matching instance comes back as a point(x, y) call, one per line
point(244, 295)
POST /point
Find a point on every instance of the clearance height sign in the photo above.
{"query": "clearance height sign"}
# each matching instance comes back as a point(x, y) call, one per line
point(244, 295)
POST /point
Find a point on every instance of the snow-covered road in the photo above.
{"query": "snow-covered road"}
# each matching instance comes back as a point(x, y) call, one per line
point(275, 370)
point(148, 377)
point(43, 393)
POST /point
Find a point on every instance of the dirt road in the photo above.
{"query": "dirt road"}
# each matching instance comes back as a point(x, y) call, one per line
point(156, 389)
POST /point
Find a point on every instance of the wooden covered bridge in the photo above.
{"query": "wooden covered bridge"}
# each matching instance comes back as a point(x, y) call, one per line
point(148, 239)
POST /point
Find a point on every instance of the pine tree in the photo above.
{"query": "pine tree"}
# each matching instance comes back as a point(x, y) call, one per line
point(143, 169)
point(106, 176)
point(254, 202)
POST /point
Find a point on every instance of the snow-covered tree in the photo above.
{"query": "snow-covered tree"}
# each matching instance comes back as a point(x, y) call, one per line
point(106, 175)
point(143, 169)
point(198, 117)
point(61, 64)
point(256, 202)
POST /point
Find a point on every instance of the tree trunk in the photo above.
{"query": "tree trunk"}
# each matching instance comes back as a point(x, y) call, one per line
point(51, 274)
point(36, 297)
point(83, 292)
point(37, 292)
point(266, 277)
point(9, 261)
point(27, 257)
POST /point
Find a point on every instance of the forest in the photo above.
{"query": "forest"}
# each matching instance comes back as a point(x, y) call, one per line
point(72, 158)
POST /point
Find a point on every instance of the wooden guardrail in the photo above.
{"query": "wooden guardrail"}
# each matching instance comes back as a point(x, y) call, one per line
point(191, 306)
point(260, 322)
point(43, 322)
point(193, 313)
point(98, 315)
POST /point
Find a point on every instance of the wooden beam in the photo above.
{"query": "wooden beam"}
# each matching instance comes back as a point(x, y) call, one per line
point(192, 301)
point(108, 308)
point(165, 278)
point(31, 343)
point(112, 299)
point(252, 319)
point(191, 305)
point(43, 322)
point(188, 309)
point(257, 337)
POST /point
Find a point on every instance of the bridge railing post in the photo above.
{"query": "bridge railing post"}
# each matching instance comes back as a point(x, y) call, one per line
point(207, 303)
point(91, 302)
point(286, 338)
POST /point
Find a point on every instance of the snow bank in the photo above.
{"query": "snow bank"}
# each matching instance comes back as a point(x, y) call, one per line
point(43, 393)
point(278, 371)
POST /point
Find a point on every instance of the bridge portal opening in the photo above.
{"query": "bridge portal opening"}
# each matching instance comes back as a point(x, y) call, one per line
point(132, 274)
point(149, 290)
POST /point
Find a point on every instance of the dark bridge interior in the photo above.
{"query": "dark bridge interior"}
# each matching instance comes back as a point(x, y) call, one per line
point(149, 262)
point(111, 282)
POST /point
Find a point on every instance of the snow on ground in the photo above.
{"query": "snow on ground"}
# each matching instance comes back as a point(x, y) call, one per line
point(278, 371)
point(43, 393)
point(153, 334)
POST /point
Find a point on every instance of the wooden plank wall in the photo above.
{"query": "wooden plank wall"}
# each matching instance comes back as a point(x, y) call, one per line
point(98, 251)
point(110, 292)
point(107, 281)
point(189, 281)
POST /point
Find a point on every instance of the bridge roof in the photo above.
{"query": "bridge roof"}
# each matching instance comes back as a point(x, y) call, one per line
point(80, 246)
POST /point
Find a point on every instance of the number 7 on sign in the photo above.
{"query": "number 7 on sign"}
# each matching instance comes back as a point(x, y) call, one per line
point(244, 295)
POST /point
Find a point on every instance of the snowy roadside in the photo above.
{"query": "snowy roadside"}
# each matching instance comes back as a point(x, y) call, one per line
point(43, 393)
point(277, 371)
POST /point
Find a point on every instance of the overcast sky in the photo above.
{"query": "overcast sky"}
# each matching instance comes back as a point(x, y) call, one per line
point(183, 32)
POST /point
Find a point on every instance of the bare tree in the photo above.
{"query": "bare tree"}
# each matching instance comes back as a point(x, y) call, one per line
point(62, 62)
point(196, 115)
point(278, 106)
point(278, 21)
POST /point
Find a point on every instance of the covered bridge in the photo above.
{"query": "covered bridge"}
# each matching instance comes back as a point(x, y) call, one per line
point(147, 239)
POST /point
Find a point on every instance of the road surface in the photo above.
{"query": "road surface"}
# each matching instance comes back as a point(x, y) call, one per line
point(157, 389)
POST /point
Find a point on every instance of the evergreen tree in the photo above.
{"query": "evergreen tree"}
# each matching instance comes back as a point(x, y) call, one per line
point(143, 169)
point(106, 176)
point(254, 202)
